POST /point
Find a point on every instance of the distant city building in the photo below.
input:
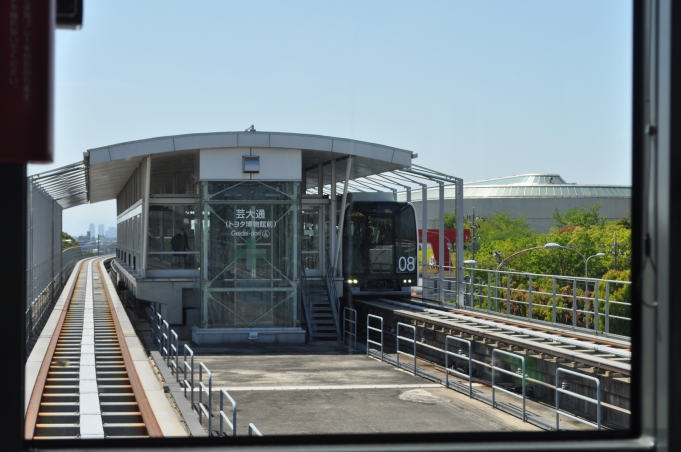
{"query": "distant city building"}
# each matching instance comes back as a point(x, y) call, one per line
point(92, 230)
point(100, 229)
point(111, 232)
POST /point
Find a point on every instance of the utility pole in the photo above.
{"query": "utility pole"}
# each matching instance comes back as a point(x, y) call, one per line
point(474, 227)
point(615, 251)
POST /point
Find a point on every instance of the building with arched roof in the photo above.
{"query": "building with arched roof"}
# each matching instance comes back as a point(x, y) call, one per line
point(535, 196)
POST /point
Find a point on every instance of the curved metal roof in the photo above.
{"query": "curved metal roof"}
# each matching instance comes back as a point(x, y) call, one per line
point(535, 185)
point(111, 166)
point(522, 179)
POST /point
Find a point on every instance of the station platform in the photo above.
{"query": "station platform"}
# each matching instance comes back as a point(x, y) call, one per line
point(325, 388)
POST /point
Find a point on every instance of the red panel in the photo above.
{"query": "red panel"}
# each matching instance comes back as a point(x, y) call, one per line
point(26, 86)
point(450, 238)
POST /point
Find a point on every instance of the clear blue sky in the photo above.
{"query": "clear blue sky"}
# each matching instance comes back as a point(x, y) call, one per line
point(479, 89)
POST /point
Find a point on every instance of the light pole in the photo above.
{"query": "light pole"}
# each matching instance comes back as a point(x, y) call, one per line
point(548, 245)
point(586, 267)
point(586, 271)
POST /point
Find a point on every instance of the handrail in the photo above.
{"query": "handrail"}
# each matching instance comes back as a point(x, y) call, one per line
point(152, 324)
point(165, 348)
point(371, 328)
point(398, 352)
point(203, 409)
point(596, 401)
point(174, 346)
point(353, 322)
point(305, 292)
point(253, 429)
point(186, 383)
point(223, 416)
point(499, 369)
point(467, 358)
point(333, 294)
point(159, 331)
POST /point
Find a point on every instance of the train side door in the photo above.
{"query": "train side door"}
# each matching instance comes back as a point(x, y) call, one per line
point(313, 244)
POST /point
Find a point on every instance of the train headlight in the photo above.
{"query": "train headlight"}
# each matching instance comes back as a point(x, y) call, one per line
point(355, 281)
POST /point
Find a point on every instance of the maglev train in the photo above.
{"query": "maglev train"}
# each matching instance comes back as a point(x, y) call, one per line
point(380, 245)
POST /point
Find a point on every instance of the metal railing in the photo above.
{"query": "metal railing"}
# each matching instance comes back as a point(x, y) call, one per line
point(352, 322)
point(159, 331)
point(223, 416)
point(152, 324)
point(165, 342)
point(174, 352)
point(515, 375)
point(494, 366)
point(333, 294)
point(413, 340)
point(371, 328)
point(580, 303)
point(596, 401)
point(253, 429)
point(203, 408)
point(48, 288)
point(462, 357)
point(305, 292)
point(188, 384)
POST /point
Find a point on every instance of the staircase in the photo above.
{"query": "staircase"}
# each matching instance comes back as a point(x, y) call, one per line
point(322, 325)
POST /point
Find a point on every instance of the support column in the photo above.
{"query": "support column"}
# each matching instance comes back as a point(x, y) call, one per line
point(424, 236)
point(459, 242)
point(52, 275)
point(441, 243)
point(320, 180)
point(29, 299)
point(146, 192)
point(339, 235)
point(332, 213)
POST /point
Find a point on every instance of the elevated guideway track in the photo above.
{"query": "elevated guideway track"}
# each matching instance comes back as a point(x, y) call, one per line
point(591, 350)
point(88, 383)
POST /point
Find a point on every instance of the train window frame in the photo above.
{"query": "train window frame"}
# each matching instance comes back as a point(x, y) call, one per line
point(642, 435)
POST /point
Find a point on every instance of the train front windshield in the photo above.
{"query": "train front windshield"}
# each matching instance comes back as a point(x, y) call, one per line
point(380, 239)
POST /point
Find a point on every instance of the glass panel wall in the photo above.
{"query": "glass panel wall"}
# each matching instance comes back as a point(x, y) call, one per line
point(172, 237)
point(129, 236)
point(250, 235)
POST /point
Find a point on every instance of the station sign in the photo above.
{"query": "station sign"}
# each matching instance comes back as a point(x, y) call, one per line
point(251, 223)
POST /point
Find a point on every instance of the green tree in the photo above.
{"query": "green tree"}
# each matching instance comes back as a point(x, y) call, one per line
point(586, 217)
point(502, 226)
point(67, 241)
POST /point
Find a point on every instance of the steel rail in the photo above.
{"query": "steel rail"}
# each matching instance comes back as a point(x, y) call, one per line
point(585, 344)
point(539, 347)
point(152, 425)
point(444, 320)
point(31, 417)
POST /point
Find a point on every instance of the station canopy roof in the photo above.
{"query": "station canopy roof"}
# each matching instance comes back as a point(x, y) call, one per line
point(105, 170)
point(66, 185)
